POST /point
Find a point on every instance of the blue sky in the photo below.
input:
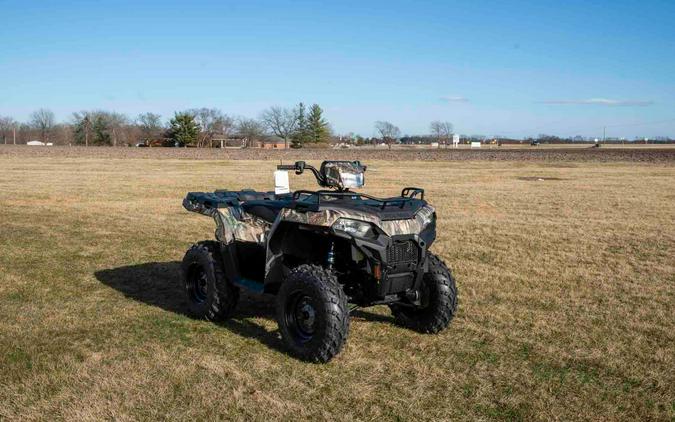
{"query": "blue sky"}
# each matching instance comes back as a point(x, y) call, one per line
point(511, 68)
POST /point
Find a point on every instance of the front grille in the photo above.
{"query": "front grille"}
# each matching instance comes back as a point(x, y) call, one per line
point(404, 252)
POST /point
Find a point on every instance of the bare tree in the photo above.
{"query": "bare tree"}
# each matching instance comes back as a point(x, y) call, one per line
point(43, 120)
point(211, 122)
point(150, 125)
point(388, 132)
point(281, 121)
point(116, 123)
point(99, 127)
point(251, 130)
point(223, 126)
point(441, 131)
point(7, 124)
point(62, 134)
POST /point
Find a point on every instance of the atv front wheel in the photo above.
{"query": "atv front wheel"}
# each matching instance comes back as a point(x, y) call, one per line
point(312, 313)
point(209, 294)
point(438, 297)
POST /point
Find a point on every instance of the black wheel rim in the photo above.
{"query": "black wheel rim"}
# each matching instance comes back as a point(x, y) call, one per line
point(301, 317)
point(197, 284)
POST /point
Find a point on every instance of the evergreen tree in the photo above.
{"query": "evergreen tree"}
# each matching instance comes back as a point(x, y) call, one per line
point(82, 132)
point(317, 127)
point(101, 130)
point(92, 128)
point(184, 129)
point(301, 134)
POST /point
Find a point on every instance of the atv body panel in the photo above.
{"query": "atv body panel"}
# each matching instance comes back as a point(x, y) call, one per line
point(264, 235)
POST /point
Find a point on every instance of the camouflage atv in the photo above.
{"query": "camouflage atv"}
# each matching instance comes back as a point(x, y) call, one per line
point(317, 251)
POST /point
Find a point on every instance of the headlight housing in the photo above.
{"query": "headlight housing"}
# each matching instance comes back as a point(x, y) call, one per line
point(426, 216)
point(355, 228)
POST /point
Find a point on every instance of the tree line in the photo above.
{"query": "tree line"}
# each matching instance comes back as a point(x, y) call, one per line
point(201, 127)
point(206, 127)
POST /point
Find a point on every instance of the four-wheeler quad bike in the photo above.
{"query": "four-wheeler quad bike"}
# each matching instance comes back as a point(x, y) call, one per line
point(317, 251)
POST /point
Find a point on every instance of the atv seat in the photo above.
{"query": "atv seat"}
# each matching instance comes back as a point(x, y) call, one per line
point(251, 195)
point(265, 209)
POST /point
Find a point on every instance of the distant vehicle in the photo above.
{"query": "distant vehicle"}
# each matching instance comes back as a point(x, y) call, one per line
point(534, 143)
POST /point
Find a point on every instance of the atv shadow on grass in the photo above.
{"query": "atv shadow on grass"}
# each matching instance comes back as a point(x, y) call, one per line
point(158, 284)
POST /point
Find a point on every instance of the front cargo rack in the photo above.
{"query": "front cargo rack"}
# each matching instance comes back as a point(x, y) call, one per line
point(407, 194)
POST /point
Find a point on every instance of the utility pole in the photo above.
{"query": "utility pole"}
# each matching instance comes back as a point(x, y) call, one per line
point(604, 130)
point(14, 134)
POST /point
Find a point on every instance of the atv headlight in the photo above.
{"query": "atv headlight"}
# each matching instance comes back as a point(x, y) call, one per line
point(427, 216)
point(355, 228)
point(428, 219)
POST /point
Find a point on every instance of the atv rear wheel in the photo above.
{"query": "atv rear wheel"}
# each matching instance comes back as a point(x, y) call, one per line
point(439, 301)
point(209, 294)
point(312, 313)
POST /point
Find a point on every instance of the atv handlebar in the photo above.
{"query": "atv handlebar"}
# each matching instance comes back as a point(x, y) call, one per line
point(300, 167)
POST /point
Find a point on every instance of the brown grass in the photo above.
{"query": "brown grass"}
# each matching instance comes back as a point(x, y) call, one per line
point(567, 291)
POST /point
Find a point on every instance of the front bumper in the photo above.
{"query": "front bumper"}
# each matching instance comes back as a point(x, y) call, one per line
point(396, 265)
point(403, 267)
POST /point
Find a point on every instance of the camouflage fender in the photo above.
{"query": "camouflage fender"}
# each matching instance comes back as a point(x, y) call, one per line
point(232, 223)
point(411, 226)
point(251, 229)
point(327, 216)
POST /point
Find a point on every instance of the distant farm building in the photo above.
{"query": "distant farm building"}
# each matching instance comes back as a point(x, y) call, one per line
point(272, 142)
point(231, 141)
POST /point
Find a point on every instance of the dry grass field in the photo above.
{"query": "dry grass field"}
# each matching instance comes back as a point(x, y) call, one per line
point(543, 153)
point(566, 307)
